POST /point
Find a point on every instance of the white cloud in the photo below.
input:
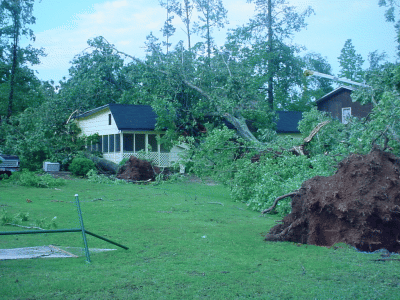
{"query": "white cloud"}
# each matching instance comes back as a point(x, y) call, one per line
point(126, 23)
point(123, 23)
point(239, 12)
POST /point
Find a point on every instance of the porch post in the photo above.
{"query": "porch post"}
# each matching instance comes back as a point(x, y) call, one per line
point(146, 142)
point(134, 143)
point(115, 148)
point(121, 145)
point(159, 149)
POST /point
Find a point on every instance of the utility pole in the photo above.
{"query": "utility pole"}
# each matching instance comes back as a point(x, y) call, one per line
point(345, 80)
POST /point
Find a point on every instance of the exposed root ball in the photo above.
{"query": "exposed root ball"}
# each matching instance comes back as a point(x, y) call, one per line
point(138, 170)
point(359, 206)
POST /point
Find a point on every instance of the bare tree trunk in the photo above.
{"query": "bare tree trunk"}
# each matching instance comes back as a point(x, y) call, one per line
point(208, 34)
point(167, 21)
point(187, 22)
point(14, 65)
point(270, 89)
point(241, 127)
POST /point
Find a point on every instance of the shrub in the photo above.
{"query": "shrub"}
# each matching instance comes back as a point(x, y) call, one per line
point(18, 218)
point(32, 179)
point(80, 166)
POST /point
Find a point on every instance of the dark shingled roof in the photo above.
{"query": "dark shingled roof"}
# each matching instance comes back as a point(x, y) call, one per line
point(142, 117)
point(288, 121)
point(133, 117)
point(128, 116)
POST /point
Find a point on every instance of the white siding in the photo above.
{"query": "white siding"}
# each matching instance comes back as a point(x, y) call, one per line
point(175, 153)
point(98, 123)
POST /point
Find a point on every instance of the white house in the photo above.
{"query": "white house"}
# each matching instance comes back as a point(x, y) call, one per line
point(127, 130)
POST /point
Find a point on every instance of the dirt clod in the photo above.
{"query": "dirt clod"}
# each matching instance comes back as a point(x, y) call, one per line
point(138, 170)
point(359, 205)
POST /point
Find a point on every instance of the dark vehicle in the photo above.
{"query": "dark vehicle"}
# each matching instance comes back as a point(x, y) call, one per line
point(8, 164)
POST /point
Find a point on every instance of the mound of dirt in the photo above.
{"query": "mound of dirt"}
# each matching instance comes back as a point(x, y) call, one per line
point(359, 205)
point(138, 170)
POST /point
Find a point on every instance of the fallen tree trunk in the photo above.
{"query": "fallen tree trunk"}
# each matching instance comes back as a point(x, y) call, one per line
point(103, 164)
point(236, 119)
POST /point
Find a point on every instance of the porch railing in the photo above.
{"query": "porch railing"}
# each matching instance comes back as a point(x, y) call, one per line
point(160, 159)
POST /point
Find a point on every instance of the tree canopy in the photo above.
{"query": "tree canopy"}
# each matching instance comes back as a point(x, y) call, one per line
point(16, 92)
point(351, 63)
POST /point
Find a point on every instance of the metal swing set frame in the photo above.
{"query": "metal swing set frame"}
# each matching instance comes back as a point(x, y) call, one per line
point(81, 229)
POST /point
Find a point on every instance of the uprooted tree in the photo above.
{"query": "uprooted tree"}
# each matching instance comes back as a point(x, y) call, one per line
point(358, 205)
point(227, 96)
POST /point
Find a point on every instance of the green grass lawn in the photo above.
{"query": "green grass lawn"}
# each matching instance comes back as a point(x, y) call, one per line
point(186, 241)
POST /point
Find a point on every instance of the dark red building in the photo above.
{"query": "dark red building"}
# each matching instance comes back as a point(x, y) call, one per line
point(339, 104)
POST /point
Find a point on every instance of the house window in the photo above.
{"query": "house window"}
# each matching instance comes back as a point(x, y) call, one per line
point(100, 144)
point(111, 143)
point(117, 143)
point(152, 139)
point(140, 143)
point(109, 119)
point(128, 142)
point(105, 143)
point(346, 114)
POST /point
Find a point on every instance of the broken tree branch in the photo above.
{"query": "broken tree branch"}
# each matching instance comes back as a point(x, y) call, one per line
point(315, 131)
point(277, 200)
point(299, 150)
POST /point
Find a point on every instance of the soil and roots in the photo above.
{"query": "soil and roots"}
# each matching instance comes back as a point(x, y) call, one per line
point(136, 170)
point(359, 205)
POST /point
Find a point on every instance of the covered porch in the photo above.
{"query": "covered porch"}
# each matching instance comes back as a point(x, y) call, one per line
point(143, 145)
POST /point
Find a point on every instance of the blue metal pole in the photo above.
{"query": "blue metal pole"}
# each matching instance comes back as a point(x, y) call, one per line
point(107, 240)
point(82, 228)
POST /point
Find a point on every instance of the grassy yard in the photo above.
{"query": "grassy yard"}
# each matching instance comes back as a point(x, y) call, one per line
point(186, 241)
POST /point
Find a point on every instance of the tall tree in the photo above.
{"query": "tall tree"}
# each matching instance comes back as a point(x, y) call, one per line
point(350, 62)
point(212, 14)
point(183, 9)
point(18, 15)
point(390, 15)
point(168, 29)
point(264, 40)
point(96, 78)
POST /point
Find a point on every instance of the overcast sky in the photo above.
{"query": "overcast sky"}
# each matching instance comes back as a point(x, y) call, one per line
point(64, 26)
